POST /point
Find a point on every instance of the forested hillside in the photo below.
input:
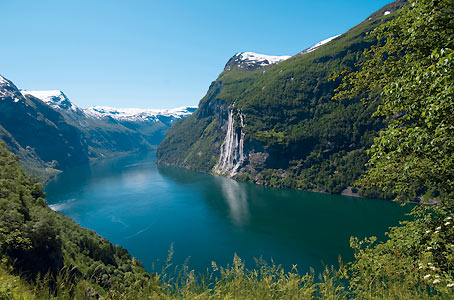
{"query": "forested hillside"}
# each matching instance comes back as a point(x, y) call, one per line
point(34, 240)
point(285, 129)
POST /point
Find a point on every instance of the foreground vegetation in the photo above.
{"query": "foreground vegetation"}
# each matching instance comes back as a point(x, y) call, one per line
point(34, 240)
point(413, 67)
point(416, 263)
point(44, 255)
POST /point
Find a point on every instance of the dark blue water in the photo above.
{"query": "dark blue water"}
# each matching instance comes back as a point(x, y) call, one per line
point(146, 209)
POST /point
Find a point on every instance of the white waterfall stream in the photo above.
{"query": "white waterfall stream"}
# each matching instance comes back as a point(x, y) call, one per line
point(232, 150)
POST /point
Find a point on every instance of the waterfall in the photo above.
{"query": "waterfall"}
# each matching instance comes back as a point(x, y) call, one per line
point(232, 150)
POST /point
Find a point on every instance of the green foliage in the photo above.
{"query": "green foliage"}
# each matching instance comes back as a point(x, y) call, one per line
point(417, 260)
point(41, 136)
point(191, 146)
point(413, 65)
point(34, 240)
point(12, 287)
point(271, 137)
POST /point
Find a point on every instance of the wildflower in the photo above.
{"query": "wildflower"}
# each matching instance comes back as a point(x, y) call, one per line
point(447, 223)
point(450, 285)
point(438, 228)
point(436, 281)
point(214, 266)
point(427, 231)
point(427, 276)
point(448, 218)
point(429, 248)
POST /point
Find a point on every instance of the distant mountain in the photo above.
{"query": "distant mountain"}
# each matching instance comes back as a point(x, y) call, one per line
point(167, 116)
point(50, 133)
point(55, 99)
point(58, 100)
point(271, 120)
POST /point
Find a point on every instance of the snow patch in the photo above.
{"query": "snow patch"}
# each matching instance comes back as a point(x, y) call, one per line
point(138, 114)
point(54, 98)
point(3, 80)
point(319, 44)
point(8, 90)
point(261, 59)
point(58, 100)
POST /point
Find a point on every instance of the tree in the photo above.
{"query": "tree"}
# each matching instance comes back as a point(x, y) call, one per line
point(412, 66)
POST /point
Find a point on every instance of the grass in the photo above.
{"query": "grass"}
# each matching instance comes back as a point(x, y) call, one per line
point(236, 282)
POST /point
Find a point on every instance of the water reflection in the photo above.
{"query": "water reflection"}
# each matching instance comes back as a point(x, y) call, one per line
point(145, 209)
point(136, 180)
point(227, 197)
point(181, 175)
point(236, 199)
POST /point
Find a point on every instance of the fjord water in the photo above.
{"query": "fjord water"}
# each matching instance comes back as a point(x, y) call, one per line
point(147, 208)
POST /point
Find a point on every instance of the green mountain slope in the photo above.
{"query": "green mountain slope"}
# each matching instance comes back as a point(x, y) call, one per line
point(277, 125)
point(40, 135)
point(36, 240)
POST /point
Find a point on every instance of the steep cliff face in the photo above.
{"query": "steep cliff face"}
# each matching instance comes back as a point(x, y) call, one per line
point(272, 121)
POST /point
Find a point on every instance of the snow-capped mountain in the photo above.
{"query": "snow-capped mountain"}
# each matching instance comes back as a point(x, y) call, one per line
point(54, 98)
point(58, 100)
point(251, 60)
point(49, 132)
point(8, 90)
point(319, 44)
point(138, 114)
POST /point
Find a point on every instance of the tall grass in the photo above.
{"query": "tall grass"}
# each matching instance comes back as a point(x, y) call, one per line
point(264, 282)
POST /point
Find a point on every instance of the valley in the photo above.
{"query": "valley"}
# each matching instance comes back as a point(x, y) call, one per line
point(327, 174)
point(50, 133)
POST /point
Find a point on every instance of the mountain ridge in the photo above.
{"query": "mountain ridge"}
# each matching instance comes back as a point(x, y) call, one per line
point(58, 100)
point(277, 125)
point(50, 133)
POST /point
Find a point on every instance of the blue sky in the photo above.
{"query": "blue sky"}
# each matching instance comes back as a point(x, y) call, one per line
point(155, 54)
